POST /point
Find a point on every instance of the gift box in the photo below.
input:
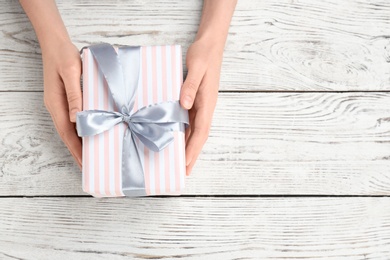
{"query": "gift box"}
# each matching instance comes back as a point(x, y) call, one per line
point(132, 124)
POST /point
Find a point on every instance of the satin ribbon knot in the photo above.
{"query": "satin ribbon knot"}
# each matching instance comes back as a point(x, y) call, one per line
point(127, 120)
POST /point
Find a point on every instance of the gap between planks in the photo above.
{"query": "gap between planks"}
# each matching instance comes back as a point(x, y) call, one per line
point(247, 91)
point(211, 196)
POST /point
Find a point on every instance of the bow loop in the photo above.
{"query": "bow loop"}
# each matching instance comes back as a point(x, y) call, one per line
point(93, 122)
point(154, 136)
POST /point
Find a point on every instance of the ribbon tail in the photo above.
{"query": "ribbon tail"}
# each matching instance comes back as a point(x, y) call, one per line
point(109, 64)
point(133, 179)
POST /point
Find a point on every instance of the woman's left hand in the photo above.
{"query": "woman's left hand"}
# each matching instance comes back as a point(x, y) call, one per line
point(199, 95)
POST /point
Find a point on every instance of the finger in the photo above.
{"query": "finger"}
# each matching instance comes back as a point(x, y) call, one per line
point(190, 87)
point(190, 166)
point(187, 134)
point(193, 150)
point(57, 105)
point(191, 115)
point(71, 79)
point(199, 134)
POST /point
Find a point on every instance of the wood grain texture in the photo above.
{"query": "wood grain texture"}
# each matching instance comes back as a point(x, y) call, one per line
point(195, 228)
point(273, 45)
point(260, 143)
point(292, 141)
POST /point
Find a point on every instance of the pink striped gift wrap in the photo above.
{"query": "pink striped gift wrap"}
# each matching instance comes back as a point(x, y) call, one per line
point(160, 79)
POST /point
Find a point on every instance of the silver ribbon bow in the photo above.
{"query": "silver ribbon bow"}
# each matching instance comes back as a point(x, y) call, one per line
point(152, 125)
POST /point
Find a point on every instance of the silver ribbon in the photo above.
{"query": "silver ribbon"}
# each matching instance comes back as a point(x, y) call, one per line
point(152, 125)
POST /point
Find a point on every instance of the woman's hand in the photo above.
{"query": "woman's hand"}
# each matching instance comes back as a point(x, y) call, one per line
point(200, 89)
point(61, 69)
point(199, 94)
point(62, 92)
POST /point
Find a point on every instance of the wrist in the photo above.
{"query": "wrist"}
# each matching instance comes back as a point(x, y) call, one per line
point(53, 46)
point(47, 22)
point(212, 41)
point(215, 21)
point(55, 40)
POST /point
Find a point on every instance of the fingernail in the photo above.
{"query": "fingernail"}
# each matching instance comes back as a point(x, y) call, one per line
point(73, 113)
point(188, 162)
point(188, 171)
point(187, 102)
point(80, 165)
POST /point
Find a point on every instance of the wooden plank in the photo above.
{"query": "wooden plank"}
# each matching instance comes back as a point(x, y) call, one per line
point(195, 228)
point(273, 45)
point(260, 143)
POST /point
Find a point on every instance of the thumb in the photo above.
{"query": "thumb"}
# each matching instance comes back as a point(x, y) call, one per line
point(73, 94)
point(189, 88)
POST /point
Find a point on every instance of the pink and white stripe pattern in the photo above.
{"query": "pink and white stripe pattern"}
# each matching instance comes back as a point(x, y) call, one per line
point(160, 80)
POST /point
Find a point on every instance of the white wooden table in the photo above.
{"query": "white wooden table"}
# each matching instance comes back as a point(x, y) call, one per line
point(297, 164)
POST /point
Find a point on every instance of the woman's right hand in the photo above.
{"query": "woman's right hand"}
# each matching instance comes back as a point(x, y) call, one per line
point(62, 92)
